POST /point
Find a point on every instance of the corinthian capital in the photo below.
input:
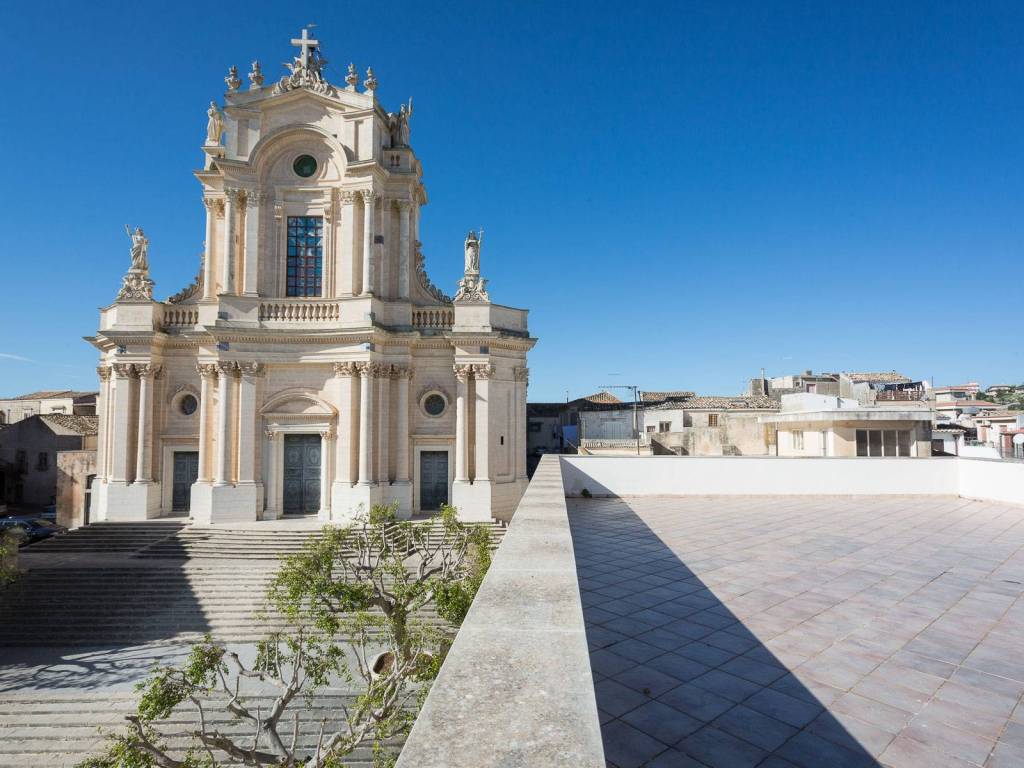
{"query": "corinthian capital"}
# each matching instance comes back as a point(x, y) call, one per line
point(206, 370)
point(148, 370)
point(233, 194)
point(227, 367)
point(346, 369)
point(103, 371)
point(255, 198)
point(369, 196)
point(123, 370)
point(251, 369)
point(522, 374)
point(483, 370)
point(462, 371)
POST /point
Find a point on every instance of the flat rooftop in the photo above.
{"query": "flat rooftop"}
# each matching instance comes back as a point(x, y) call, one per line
point(804, 631)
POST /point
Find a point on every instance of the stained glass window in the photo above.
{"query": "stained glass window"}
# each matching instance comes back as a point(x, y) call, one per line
point(305, 266)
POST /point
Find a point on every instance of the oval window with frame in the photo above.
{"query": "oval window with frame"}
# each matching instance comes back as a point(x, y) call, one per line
point(434, 404)
point(188, 405)
point(304, 166)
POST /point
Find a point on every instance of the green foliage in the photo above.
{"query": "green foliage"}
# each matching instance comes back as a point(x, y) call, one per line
point(357, 591)
point(8, 558)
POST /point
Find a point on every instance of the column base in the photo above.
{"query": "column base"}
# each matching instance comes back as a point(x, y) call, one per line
point(400, 491)
point(226, 503)
point(472, 500)
point(120, 501)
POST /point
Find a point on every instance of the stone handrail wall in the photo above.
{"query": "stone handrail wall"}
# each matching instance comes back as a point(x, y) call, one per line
point(516, 688)
point(433, 317)
point(299, 310)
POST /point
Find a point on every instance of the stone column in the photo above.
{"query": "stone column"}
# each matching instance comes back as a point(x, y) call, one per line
point(369, 203)
point(522, 382)
point(326, 440)
point(227, 266)
point(481, 376)
point(120, 466)
point(366, 371)
point(403, 248)
point(102, 430)
point(207, 374)
point(349, 281)
point(250, 268)
point(249, 375)
point(225, 412)
point(345, 444)
point(214, 210)
point(274, 482)
point(402, 426)
point(143, 445)
point(384, 458)
point(462, 373)
point(330, 277)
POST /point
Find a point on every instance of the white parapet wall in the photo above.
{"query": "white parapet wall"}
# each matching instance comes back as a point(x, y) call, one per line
point(773, 476)
point(992, 480)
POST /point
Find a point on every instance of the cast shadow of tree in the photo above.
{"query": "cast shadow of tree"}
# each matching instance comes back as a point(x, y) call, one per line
point(679, 680)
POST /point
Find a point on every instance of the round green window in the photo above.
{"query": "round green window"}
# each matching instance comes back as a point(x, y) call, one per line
point(304, 166)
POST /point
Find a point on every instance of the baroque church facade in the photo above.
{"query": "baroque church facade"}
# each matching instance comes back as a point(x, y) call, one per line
point(312, 367)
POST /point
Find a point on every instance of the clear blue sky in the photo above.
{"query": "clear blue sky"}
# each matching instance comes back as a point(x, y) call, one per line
point(681, 193)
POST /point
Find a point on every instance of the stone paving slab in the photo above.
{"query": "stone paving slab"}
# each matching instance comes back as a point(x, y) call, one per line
point(804, 631)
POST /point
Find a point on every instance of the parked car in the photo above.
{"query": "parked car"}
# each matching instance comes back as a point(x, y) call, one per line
point(31, 529)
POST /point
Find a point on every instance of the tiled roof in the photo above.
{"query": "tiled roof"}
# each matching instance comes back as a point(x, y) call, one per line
point(657, 397)
point(49, 394)
point(886, 377)
point(83, 425)
point(601, 397)
point(715, 402)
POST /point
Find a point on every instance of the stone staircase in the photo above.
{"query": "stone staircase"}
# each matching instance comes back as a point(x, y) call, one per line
point(59, 730)
point(110, 537)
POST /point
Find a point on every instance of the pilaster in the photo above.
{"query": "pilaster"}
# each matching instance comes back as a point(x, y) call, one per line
point(404, 207)
point(225, 396)
point(369, 206)
point(250, 266)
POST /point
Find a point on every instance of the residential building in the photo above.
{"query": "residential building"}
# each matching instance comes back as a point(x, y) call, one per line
point(67, 401)
point(819, 425)
point(957, 392)
point(555, 427)
point(710, 425)
point(997, 429)
point(311, 367)
point(29, 452)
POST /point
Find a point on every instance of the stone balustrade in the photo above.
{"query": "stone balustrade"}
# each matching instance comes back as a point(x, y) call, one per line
point(179, 316)
point(299, 311)
point(433, 317)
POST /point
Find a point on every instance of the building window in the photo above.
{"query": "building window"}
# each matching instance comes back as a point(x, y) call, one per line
point(43, 461)
point(664, 426)
point(883, 442)
point(188, 404)
point(650, 430)
point(434, 404)
point(798, 440)
point(712, 419)
point(304, 166)
point(305, 256)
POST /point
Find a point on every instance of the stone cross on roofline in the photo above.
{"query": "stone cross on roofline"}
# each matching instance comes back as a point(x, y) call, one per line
point(306, 44)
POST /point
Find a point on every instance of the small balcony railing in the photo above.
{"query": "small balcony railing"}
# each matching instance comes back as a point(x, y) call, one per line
point(299, 311)
point(435, 318)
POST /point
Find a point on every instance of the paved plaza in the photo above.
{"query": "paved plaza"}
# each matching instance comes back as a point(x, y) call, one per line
point(804, 631)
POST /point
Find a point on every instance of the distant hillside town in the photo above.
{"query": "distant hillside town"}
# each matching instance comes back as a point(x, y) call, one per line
point(841, 414)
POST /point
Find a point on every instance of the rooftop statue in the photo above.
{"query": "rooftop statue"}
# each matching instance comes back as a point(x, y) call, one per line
point(140, 249)
point(214, 125)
